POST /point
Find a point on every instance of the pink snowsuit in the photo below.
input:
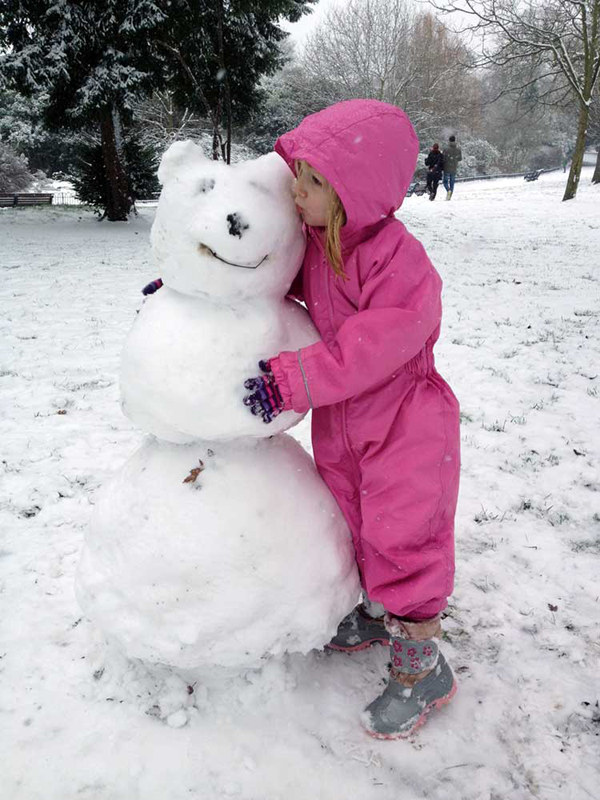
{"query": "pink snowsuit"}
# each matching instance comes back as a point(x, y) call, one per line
point(385, 425)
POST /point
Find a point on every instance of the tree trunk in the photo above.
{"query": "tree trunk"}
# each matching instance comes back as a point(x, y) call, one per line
point(118, 203)
point(596, 175)
point(223, 79)
point(217, 144)
point(228, 107)
point(578, 153)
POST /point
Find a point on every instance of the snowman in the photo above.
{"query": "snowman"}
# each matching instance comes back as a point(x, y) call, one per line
point(217, 544)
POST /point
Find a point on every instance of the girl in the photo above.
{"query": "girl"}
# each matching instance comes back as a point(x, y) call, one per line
point(385, 425)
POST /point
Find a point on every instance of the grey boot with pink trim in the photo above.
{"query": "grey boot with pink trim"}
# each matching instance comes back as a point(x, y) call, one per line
point(358, 631)
point(420, 681)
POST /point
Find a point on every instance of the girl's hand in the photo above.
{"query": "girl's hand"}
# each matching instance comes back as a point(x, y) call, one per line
point(266, 400)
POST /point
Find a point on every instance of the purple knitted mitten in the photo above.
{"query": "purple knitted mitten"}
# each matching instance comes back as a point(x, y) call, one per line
point(266, 400)
point(152, 287)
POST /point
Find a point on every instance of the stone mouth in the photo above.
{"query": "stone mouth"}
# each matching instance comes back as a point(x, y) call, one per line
point(206, 250)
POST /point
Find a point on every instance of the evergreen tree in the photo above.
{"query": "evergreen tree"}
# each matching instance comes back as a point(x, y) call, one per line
point(89, 176)
point(14, 172)
point(22, 128)
point(219, 51)
point(95, 59)
point(91, 59)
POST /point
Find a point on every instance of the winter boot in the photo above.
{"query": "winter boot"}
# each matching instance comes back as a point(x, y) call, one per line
point(448, 195)
point(420, 680)
point(358, 631)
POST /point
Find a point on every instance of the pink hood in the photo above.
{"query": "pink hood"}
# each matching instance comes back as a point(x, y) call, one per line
point(366, 149)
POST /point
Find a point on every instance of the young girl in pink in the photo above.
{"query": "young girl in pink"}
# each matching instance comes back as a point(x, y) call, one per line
point(385, 425)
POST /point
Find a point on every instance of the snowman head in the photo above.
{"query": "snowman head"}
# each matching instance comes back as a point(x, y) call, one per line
point(226, 232)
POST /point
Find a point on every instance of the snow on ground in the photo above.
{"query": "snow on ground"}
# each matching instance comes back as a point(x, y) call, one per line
point(520, 348)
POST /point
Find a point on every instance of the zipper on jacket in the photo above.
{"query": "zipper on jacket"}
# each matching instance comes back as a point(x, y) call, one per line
point(344, 403)
point(328, 292)
point(346, 436)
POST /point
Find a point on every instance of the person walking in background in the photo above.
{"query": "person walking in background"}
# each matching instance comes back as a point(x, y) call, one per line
point(452, 155)
point(435, 164)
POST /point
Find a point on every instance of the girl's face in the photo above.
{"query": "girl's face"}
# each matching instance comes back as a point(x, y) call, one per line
point(311, 195)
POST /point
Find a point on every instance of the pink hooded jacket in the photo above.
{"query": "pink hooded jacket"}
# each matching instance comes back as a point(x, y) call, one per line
point(385, 425)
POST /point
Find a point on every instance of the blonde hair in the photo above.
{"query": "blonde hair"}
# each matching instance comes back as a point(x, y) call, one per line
point(336, 219)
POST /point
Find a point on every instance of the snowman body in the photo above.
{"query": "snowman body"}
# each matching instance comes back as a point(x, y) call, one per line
point(217, 543)
point(192, 391)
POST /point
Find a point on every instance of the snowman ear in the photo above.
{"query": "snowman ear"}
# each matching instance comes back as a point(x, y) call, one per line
point(274, 172)
point(178, 153)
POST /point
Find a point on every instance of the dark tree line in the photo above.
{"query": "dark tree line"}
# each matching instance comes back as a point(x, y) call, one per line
point(92, 62)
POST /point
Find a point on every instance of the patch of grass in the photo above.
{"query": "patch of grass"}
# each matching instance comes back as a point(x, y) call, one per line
point(520, 419)
point(587, 546)
point(497, 373)
point(549, 380)
point(484, 516)
point(543, 338)
point(485, 585)
point(475, 344)
point(554, 517)
point(495, 427)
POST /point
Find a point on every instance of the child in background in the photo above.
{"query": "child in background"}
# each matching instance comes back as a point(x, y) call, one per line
point(385, 425)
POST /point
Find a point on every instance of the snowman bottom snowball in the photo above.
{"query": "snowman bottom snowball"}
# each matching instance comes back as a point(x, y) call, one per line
point(217, 554)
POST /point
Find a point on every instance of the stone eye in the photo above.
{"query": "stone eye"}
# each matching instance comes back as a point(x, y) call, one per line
point(206, 185)
point(260, 187)
point(236, 225)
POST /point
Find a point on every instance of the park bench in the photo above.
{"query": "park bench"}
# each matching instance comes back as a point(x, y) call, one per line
point(416, 187)
point(533, 175)
point(24, 199)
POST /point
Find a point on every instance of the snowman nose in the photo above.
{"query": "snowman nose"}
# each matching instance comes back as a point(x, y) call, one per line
point(236, 225)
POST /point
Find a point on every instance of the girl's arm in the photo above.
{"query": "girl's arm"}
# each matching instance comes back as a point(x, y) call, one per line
point(400, 308)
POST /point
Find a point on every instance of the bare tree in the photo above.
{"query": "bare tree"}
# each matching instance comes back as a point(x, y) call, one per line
point(385, 50)
point(161, 121)
point(594, 132)
point(363, 47)
point(558, 39)
point(529, 132)
point(444, 92)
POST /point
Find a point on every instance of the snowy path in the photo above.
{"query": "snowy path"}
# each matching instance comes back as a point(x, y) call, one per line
point(520, 348)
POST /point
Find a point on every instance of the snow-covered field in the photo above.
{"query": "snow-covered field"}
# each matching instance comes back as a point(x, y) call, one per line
point(520, 348)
